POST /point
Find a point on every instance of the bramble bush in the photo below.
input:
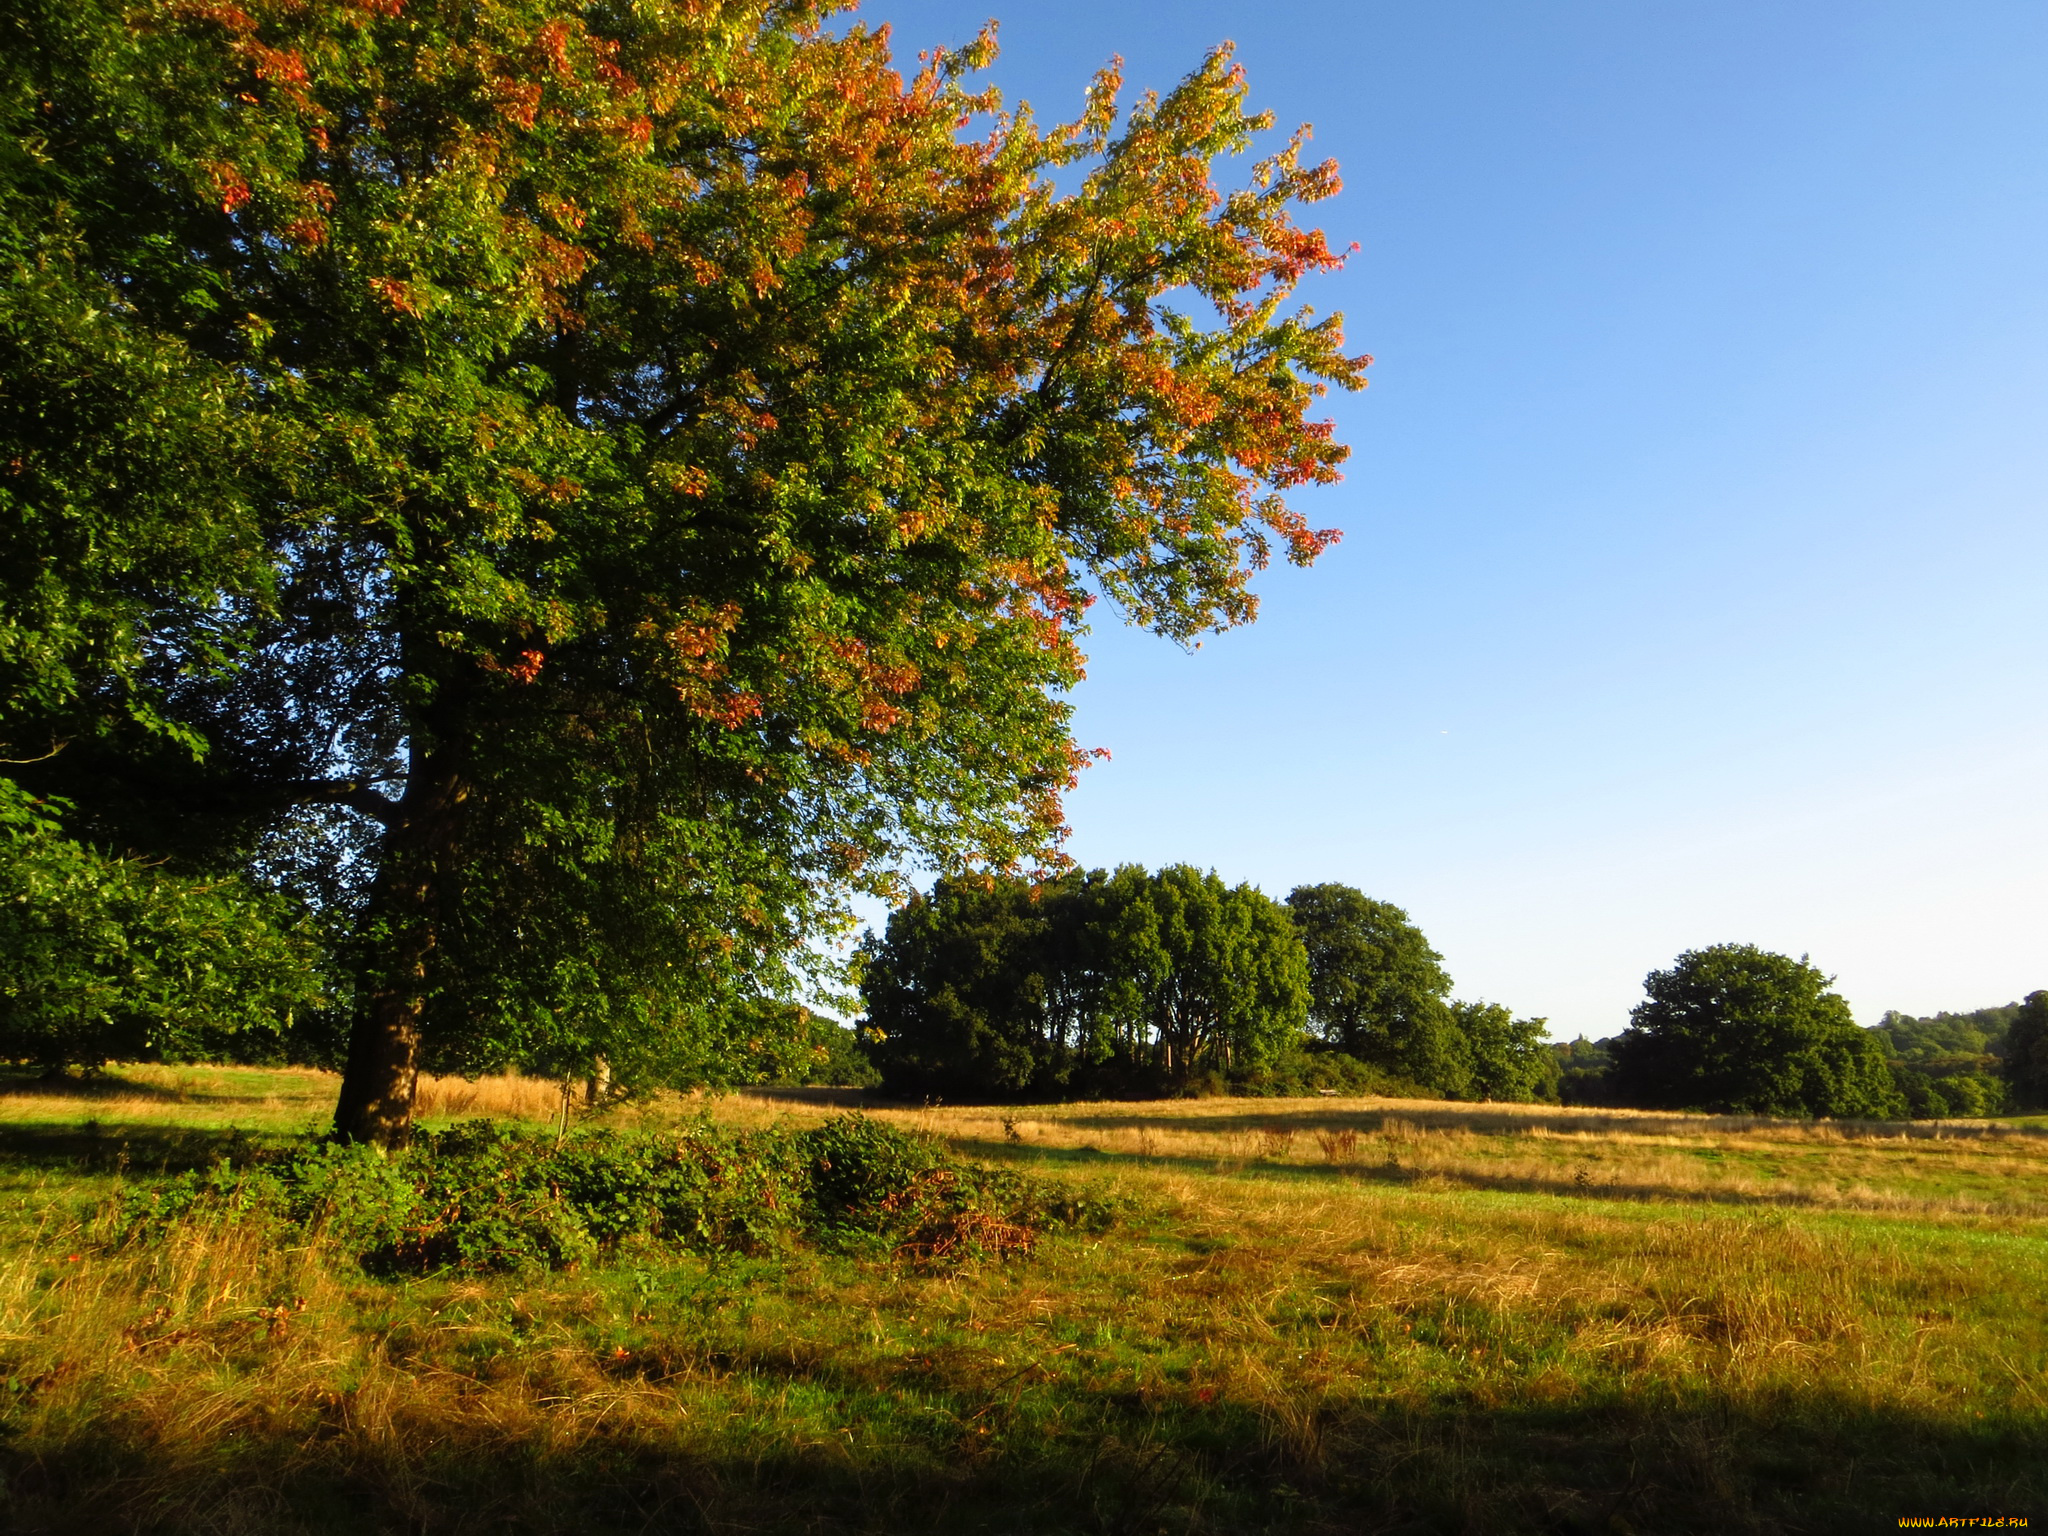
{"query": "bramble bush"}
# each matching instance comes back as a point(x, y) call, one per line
point(485, 1196)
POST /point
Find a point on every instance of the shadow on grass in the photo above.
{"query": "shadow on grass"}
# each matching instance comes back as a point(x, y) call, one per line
point(922, 1458)
point(1581, 1183)
point(1245, 1117)
point(90, 1085)
point(141, 1148)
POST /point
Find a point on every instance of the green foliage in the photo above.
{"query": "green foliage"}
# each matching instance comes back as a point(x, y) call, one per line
point(979, 988)
point(1737, 1029)
point(114, 959)
point(1118, 981)
point(1965, 1095)
point(1509, 1058)
point(1379, 992)
point(1129, 983)
point(485, 1197)
point(2026, 1053)
point(576, 494)
point(795, 1046)
point(1195, 975)
point(1310, 1069)
point(1585, 1070)
point(1979, 1033)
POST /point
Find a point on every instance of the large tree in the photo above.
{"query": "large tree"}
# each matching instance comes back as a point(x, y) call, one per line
point(970, 993)
point(1737, 1029)
point(575, 490)
point(1195, 976)
point(1506, 1058)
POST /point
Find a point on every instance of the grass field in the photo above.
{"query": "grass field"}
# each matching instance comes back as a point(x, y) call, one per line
point(1321, 1315)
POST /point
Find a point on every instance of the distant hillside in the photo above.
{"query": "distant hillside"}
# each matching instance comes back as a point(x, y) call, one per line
point(1946, 1036)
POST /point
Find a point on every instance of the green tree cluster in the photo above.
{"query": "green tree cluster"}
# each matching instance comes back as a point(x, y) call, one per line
point(1098, 981)
point(1381, 995)
point(1132, 982)
point(1951, 1064)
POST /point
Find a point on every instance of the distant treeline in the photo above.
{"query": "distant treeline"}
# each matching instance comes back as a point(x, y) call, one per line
point(1990, 1061)
point(1129, 982)
point(1133, 982)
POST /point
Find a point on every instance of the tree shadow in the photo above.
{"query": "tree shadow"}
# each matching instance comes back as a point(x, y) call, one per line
point(1507, 1120)
point(1581, 1183)
point(96, 1147)
point(930, 1454)
point(16, 1084)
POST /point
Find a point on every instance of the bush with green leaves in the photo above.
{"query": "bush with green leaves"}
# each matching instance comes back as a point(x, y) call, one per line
point(1949, 1095)
point(485, 1196)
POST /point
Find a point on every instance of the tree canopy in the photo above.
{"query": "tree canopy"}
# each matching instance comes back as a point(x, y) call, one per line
point(1133, 982)
point(1124, 981)
point(1737, 1029)
point(1378, 991)
point(572, 494)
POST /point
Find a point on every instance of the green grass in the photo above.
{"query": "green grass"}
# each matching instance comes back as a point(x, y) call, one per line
point(1464, 1318)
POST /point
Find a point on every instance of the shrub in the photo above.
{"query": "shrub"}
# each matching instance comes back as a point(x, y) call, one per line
point(484, 1196)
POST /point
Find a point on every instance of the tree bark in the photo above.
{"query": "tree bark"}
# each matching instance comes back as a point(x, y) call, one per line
point(382, 1075)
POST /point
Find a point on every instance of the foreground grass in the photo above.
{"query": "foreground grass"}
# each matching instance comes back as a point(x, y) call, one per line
point(1327, 1316)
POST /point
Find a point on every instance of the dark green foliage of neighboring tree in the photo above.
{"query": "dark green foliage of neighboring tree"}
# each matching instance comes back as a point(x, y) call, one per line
point(1117, 981)
point(2026, 1053)
point(107, 958)
point(964, 991)
point(1379, 993)
point(1737, 1029)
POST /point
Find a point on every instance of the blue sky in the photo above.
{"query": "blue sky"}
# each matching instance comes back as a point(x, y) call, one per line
point(1692, 587)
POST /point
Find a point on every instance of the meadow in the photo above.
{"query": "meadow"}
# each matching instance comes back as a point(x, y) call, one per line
point(1312, 1315)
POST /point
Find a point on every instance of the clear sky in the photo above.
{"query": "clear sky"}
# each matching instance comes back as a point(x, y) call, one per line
point(1694, 586)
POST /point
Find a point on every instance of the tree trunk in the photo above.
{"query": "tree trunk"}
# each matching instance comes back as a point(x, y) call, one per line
point(378, 1084)
point(383, 1068)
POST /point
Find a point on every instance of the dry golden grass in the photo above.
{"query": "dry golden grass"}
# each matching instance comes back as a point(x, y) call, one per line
point(1926, 1169)
point(495, 1098)
point(1328, 1316)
